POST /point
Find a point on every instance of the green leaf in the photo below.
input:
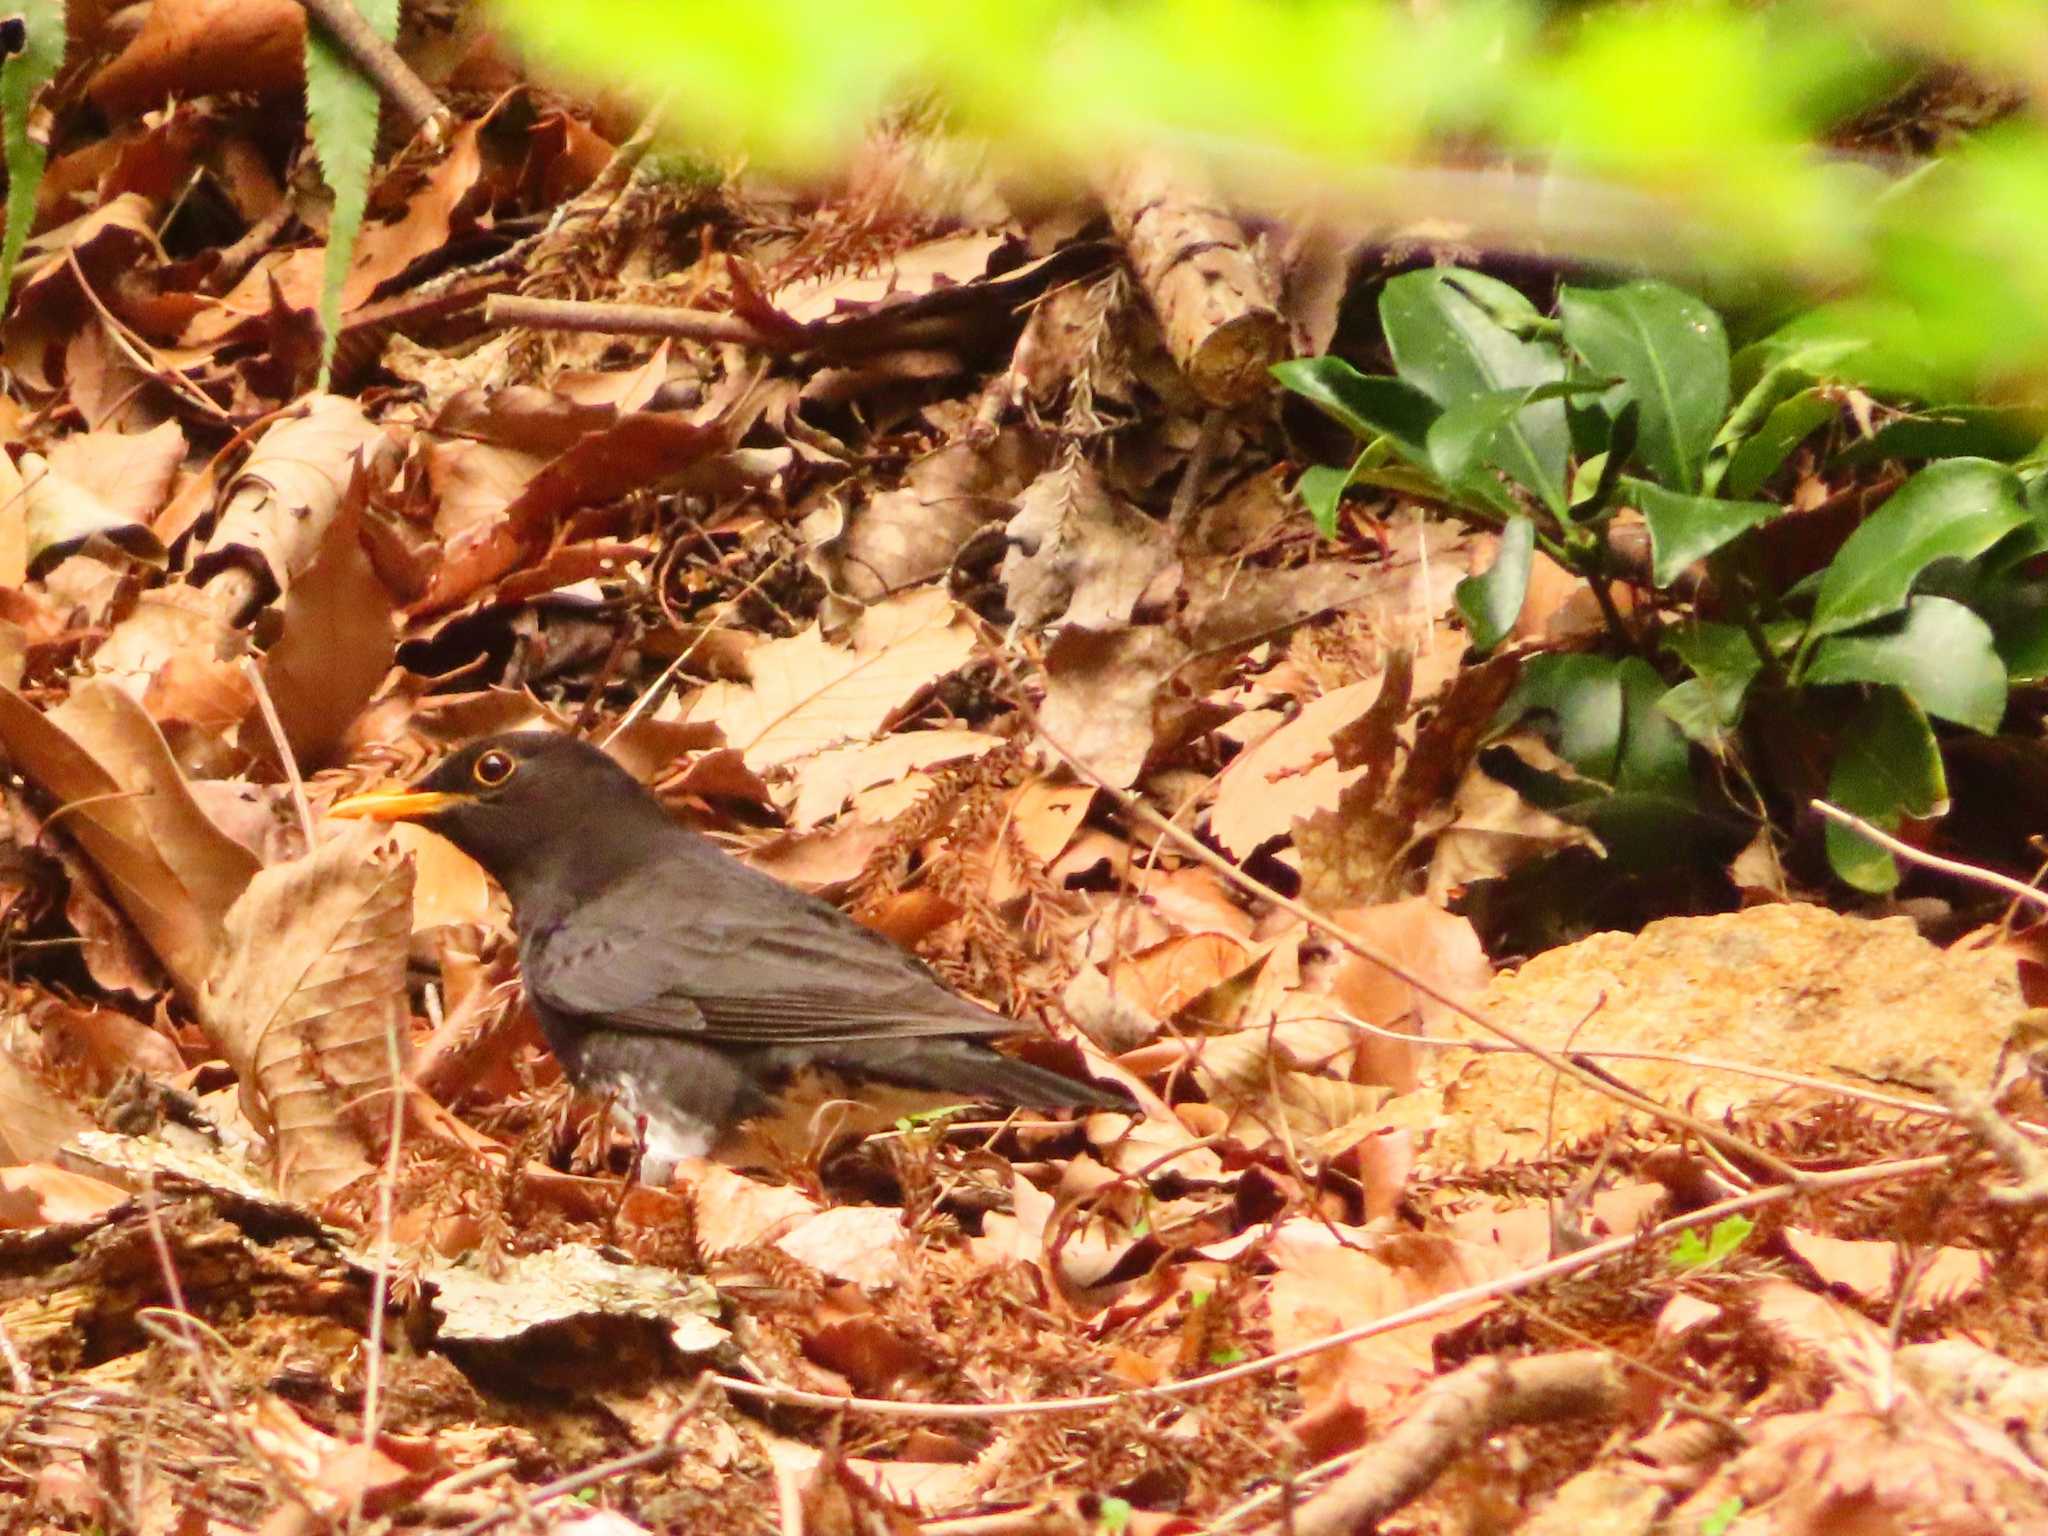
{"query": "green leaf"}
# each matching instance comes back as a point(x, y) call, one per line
point(1722, 1516)
point(1451, 348)
point(1321, 488)
point(1583, 695)
point(1653, 759)
point(1113, 1515)
point(1952, 510)
point(341, 117)
point(1461, 438)
point(22, 77)
point(1887, 766)
point(1505, 304)
point(1757, 457)
point(1685, 528)
point(1939, 652)
point(1671, 354)
point(1368, 405)
point(1708, 705)
point(2001, 432)
point(1691, 1251)
point(1491, 601)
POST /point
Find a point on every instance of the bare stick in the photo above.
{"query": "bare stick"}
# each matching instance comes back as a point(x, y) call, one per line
point(1453, 1416)
point(2016, 889)
point(284, 748)
point(622, 319)
point(408, 94)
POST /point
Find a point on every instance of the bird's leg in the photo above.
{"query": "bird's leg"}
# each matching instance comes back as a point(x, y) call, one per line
point(639, 1149)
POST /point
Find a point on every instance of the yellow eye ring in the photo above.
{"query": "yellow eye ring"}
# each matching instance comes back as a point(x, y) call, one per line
point(493, 768)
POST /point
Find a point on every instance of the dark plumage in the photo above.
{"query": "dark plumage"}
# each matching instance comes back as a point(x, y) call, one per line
point(680, 980)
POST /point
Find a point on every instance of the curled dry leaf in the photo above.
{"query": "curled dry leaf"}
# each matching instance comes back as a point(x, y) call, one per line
point(306, 1001)
point(98, 491)
point(336, 645)
point(274, 522)
point(171, 869)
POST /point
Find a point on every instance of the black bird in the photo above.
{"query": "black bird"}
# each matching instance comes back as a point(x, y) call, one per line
point(676, 978)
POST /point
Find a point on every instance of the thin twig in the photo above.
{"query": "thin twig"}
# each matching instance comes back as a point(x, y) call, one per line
point(2018, 890)
point(285, 758)
point(381, 64)
point(661, 1451)
point(1186, 495)
point(624, 320)
point(1437, 1306)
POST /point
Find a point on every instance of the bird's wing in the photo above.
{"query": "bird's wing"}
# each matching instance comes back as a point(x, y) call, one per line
point(735, 957)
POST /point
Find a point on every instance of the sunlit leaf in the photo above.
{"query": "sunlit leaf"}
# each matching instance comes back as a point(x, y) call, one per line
point(1671, 354)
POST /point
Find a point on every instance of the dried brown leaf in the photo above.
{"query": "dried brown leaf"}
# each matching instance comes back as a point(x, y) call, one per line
point(1079, 554)
point(808, 694)
point(307, 1002)
point(274, 521)
point(335, 646)
point(171, 870)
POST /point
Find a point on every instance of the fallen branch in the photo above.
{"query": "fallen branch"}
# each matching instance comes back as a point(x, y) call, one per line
point(1452, 1417)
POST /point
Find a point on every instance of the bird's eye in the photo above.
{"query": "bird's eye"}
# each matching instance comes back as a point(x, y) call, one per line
point(493, 769)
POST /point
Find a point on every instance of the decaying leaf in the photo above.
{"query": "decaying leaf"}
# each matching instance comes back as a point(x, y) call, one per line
point(175, 874)
point(308, 1004)
point(1079, 555)
point(807, 694)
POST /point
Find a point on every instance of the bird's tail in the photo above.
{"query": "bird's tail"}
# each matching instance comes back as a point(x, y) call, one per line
point(980, 1072)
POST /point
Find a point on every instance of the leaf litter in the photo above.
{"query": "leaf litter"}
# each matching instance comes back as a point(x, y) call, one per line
point(907, 562)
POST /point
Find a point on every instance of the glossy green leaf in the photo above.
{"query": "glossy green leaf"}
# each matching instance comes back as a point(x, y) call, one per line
point(1462, 439)
point(1954, 510)
point(1491, 601)
point(341, 119)
point(1938, 652)
point(1449, 347)
point(1505, 304)
point(22, 77)
point(1654, 759)
point(1671, 354)
point(1684, 529)
point(1321, 488)
point(1887, 767)
point(1368, 405)
point(1757, 457)
point(1582, 696)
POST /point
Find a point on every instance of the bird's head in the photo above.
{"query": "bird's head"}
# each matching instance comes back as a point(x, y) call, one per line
point(527, 806)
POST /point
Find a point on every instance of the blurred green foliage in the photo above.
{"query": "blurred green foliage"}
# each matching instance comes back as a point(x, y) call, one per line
point(1686, 136)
